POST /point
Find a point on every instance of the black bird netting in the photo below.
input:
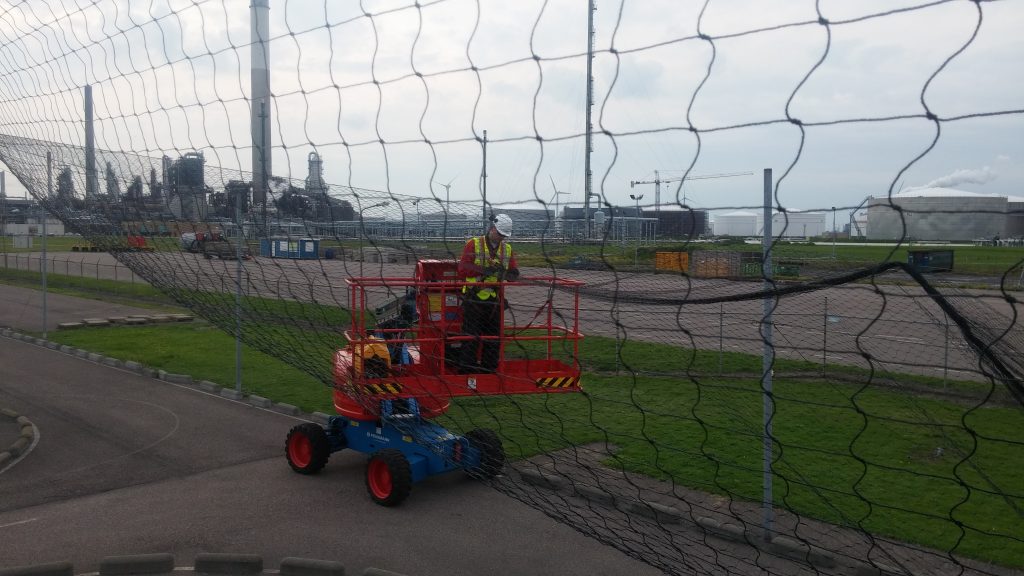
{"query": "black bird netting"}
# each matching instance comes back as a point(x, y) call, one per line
point(820, 404)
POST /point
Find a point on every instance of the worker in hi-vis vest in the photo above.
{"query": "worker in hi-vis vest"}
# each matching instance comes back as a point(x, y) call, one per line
point(486, 258)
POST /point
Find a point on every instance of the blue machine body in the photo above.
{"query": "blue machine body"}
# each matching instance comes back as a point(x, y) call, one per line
point(430, 449)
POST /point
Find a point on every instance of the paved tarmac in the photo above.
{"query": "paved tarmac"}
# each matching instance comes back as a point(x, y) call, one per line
point(125, 464)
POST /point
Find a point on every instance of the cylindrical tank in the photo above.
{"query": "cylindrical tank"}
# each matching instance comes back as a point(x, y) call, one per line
point(736, 224)
point(599, 220)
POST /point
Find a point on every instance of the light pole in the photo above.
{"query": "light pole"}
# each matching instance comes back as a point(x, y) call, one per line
point(833, 232)
point(636, 253)
point(416, 203)
point(362, 231)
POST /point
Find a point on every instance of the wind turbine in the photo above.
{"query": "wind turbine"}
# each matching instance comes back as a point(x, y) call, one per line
point(557, 194)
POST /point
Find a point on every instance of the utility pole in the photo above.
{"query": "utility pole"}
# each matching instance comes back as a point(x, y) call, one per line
point(587, 182)
point(636, 253)
point(485, 181)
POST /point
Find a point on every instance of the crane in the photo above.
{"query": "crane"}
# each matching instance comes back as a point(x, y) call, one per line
point(658, 181)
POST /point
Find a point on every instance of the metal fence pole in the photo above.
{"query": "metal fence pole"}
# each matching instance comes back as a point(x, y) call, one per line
point(768, 403)
point(824, 338)
point(238, 293)
point(945, 352)
point(42, 210)
point(721, 334)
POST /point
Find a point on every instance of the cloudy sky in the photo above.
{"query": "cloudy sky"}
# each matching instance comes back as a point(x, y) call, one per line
point(709, 87)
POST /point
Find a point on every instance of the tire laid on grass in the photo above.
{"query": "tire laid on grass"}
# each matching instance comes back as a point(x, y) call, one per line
point(307, 448)
point(492, 453)
point(388, 477)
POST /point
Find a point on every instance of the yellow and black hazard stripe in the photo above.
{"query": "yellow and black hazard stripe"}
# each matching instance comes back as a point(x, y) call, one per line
point(558, 382)
point(383, 388)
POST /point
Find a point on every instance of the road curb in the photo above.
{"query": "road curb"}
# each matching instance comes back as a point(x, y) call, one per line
point(25, 438)
point(204, 563)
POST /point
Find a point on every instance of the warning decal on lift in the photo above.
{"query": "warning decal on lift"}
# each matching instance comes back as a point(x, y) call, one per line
point(558, 382)
point(383, 388)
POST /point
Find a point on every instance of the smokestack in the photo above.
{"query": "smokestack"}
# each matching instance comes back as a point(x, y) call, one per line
point(91, 179)
point(260, 111)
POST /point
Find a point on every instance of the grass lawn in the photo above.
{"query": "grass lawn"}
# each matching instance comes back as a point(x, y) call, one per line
point(894, 463)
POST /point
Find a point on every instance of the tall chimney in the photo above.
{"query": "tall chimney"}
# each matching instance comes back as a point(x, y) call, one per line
point(260, 111)
point(91, 179)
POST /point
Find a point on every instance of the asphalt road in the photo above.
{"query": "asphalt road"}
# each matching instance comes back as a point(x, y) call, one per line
point(128, 465)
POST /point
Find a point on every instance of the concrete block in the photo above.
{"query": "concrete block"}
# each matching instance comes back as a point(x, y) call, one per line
point(9, 413)
point(117, 319)
point(537, 478)
point(594, 494)
point(378, 572)
point(132, 365)
point(107, 360)
point(51, 569)
point(82, 353)
point(28, 432)
point(67, 349)
point(136, 320)
point(22, 420)
point(137, 564)
point(799, 550)
point(96, 322)
point(19, 446)
point(718, 528)
point(875, 569)
point(182, 317)
point(94, 357)
point(307, 567)
point(234, 564)
point(176, 378)
point(259, 401)
point(207, 386)
point(321, 418)
point(286, 409)
point(52, 345)
point(231, 393)
point(659, 512)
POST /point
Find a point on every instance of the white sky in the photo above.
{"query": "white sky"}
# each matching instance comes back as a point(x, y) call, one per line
point(173, 75)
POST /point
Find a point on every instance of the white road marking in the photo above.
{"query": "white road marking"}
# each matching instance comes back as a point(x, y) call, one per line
point(18, 523)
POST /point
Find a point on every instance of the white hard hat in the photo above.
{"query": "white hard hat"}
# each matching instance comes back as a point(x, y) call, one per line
point(503, 224)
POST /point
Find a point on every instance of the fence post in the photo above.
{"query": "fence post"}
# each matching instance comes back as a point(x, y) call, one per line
point(767, 362)
point(945, 352)
point(721, 326)
point(824, 339)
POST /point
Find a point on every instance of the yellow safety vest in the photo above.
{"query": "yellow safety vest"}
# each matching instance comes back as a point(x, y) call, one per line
point(483, 259)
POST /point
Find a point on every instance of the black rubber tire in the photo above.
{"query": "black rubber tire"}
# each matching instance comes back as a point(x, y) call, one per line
point(388, 477)
point(307, 448)
point(492, 453)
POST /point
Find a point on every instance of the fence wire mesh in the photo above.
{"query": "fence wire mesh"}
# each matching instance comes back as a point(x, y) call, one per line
point(881, 402)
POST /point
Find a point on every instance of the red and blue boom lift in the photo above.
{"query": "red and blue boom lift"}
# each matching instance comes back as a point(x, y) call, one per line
point(400, 369)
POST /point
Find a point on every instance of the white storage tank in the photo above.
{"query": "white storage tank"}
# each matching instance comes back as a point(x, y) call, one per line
point(740, 224)
point(938, 214)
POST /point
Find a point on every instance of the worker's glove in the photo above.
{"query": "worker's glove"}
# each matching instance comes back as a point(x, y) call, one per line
point(493, 271)
point(511, 274)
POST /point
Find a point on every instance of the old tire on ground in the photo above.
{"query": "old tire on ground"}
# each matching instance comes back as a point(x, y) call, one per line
point(492, 453)
point(307, 448)
point(388, 477)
